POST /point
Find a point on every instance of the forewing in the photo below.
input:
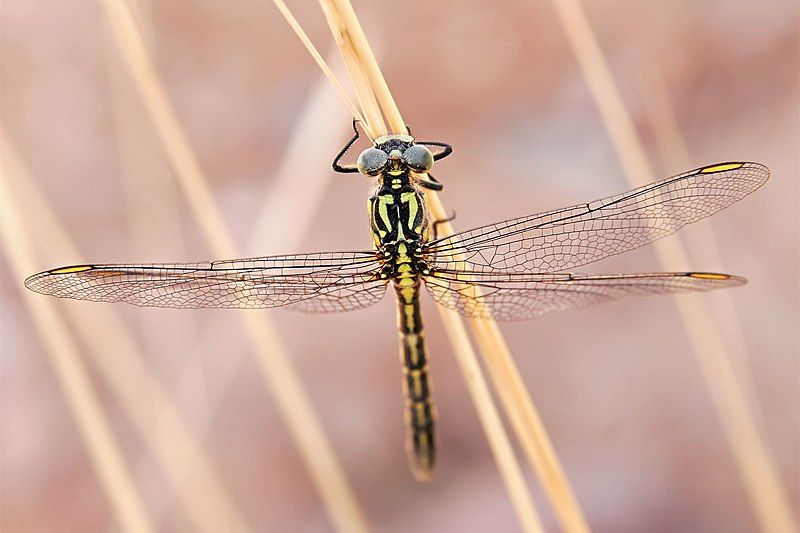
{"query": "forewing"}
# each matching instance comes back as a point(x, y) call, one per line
point(324, 282)
point(560, 240)
point(519, 297)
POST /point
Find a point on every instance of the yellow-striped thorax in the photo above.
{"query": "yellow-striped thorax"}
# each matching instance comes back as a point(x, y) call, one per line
point(397, 209)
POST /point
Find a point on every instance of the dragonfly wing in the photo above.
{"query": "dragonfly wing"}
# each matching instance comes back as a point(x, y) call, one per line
point(315, 282)
point(518, 297)
point(560, 240)
point(344, 297)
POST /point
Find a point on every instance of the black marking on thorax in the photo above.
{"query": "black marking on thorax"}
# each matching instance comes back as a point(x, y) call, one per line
point(397, 212)
point(399, 222)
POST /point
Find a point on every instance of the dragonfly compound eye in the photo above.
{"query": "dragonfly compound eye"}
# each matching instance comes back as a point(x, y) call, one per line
point(418, 158)
point(372, 161)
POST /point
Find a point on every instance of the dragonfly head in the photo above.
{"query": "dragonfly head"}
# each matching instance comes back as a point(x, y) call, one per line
point(395, 154)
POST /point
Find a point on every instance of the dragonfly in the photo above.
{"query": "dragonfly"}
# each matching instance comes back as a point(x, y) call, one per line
point(511, 270)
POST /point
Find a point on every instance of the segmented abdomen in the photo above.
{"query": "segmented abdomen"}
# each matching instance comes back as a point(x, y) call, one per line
point(421, 443)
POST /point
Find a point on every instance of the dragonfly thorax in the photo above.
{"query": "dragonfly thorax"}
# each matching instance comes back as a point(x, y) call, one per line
point(402, 259)
point(398, 214)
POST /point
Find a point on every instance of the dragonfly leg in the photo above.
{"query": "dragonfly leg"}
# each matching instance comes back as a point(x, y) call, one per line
point(437, 222)
point(346, 169)
point(447, 149)
point(431, 184)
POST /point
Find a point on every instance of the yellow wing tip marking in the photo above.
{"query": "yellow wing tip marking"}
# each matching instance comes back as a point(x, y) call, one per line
point(710, 275)
point(71, 269)
point(721, 168)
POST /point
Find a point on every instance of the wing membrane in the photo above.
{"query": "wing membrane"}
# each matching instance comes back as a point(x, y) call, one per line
point(324, 282)
point(560, 240)
point(508, 297)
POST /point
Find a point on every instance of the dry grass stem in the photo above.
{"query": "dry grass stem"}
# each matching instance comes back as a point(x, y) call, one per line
point(755, 465)
point(521, 411)
point(279, 204)
point(102, 449)
point(278, 207)
point(317, 57)
point(528, 425)
point(496, 434)
point(193, 478)
point(276, 368)
point(320, 123)
point(153, 214)
point(375, 126)
point(134, 52)
point(317, 125)
point(505, 375)
point(701, 242)
point(359, 58)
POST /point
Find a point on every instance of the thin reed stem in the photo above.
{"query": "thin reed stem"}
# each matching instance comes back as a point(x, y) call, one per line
point(120, 362)
point(317, 57)
point(359, 58)
point(101, 447)
point(505, 375)
point(367, 100)
point(279, 206)
point(521, 411)
point(320, 123)
point(351, 40)
point(499, 442)
point(753, 460)
point(153, 216)
point(276, 368)
point(702, 243)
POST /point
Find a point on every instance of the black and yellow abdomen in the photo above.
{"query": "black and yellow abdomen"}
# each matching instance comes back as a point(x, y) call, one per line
point(399, 224)
point(421, 441)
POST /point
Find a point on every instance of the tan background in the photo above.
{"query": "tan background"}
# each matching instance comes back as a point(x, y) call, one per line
point(618, 387)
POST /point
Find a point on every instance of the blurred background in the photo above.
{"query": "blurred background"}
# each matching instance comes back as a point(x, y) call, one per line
point(618, 387)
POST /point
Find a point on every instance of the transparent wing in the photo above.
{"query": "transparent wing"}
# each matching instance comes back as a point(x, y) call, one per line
point(522, 296)
point(560, 240)
point(324, 282)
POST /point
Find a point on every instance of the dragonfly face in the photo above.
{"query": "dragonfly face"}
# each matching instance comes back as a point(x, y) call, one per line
point(395, 154)
point(512, 270)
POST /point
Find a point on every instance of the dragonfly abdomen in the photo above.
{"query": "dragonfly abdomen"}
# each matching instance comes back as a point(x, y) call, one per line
point(421, 443)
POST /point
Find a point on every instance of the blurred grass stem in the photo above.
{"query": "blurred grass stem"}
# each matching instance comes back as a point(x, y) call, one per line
point(101, 447)
point(505, 376)
point(121, 364)
point(702, 244)
point(750, 452)
point(317, 57)
point(274, 363)
point(371, 88)
point(153, 212)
